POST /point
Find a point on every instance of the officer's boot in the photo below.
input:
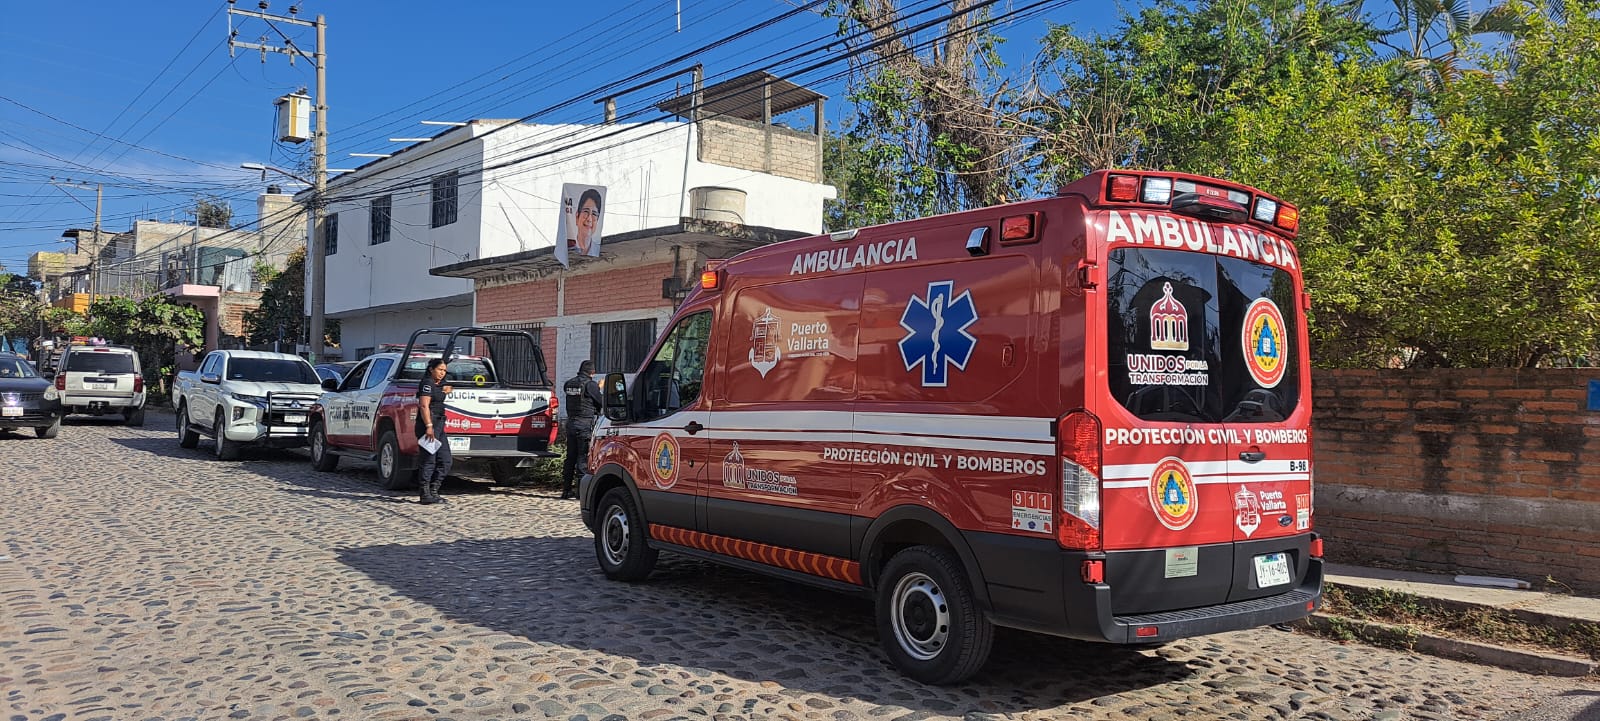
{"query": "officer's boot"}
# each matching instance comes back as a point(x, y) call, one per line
point(433, 490)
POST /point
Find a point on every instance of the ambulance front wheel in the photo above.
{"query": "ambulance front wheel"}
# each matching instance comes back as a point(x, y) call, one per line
point(619, 539)
point(928, 617)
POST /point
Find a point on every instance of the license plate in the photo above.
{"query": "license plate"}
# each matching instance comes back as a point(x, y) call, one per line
point(99, 386)
point(1272, 569)
point(295, 419)
point(458, 443)
point(10, 411)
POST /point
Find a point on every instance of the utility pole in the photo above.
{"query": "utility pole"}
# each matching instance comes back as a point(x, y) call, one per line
point(99, 195)
point(315, 259)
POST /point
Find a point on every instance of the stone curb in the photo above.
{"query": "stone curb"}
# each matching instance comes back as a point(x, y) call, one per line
point(1546, 663)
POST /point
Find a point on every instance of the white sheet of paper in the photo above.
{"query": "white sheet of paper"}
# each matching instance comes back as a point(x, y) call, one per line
point(430, 445)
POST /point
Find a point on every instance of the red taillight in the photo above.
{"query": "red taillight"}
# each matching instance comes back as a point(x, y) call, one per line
point(1123, 188)
point(1078, 441)
point(1147, 631)
point(138, 384)
point(61, 381)
point(1316, 548)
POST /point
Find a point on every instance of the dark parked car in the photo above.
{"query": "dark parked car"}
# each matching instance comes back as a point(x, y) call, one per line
point(27, 400)
point(334, 371)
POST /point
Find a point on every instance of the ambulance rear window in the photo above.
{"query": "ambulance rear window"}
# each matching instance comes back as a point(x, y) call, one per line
point(1198, 338)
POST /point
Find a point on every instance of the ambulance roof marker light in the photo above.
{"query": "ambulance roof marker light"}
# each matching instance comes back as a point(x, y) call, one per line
point(1288, 219)
point(1122, 188)
point(709, 280)
point(1156, 191)
point(843, 235)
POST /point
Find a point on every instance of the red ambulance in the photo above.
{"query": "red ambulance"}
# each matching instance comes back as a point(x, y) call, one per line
point(1087, 415)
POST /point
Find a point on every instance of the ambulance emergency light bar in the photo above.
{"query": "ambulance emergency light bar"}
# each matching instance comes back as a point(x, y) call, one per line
point(1183, 195)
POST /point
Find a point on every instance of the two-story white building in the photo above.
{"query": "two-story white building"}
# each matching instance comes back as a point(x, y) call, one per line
point(492, 188)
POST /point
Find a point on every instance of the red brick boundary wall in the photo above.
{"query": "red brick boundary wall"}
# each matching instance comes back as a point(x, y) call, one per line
point(1477, 471)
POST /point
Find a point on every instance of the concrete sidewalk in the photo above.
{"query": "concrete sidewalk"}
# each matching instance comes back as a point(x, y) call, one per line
point(1534, 607)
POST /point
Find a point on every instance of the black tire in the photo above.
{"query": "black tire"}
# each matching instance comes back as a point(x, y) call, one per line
point(504, 471)
point(929, 622)
point(620, 539)
point(50, 431)
point(391, 465)
point(321, 459)
point(226, 450)
point(188, 437)
point(134, 418)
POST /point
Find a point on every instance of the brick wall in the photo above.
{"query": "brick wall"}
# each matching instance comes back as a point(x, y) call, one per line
point(517, 302)
point(744, 144)
point(1480, 471)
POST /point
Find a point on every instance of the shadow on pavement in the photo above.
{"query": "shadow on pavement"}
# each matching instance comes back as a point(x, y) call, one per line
point(701, 615)
point(167, 447)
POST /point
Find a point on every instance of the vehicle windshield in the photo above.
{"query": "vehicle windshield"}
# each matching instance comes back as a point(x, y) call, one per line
point(1200, 338)
point(100, 362)
point(16, 368)
point(271, 370)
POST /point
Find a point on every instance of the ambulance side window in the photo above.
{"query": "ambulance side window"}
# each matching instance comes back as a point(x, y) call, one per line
point(672, 379)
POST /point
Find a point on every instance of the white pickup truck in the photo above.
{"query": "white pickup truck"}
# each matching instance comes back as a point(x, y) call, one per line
point(241, 397)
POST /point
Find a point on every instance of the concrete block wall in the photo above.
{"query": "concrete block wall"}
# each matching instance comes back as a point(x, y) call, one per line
point(742, 144)
point(1478, 471)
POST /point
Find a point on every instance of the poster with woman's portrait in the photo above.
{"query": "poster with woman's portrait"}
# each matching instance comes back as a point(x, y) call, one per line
point(582, 208)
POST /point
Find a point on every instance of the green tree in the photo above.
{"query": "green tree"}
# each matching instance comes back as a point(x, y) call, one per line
point(282, 308)
point(154, 327)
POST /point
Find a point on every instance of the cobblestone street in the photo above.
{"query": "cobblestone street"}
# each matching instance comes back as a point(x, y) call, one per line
point(142, 581)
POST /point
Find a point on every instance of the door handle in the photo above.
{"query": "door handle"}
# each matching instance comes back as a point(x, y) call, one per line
point(1252, 456)
point(694, 427)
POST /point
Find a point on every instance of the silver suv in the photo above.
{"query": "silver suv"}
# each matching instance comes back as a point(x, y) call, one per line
point(100, 379)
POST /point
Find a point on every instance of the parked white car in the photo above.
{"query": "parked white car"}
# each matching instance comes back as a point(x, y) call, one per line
point(101, 379)
point(241, 397)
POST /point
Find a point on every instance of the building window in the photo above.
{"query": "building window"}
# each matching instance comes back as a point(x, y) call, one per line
point(444, 199)
point(378, 220)
point(620, 347)
point(330, 232)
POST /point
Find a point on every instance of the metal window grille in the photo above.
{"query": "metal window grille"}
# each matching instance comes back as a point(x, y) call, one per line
point(513, 358)
point(620, 346)
point(330, 229)
point(444, 199)
point(379, 217)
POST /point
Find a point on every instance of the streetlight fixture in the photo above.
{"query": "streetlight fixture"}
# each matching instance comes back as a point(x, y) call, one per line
point(280, 171)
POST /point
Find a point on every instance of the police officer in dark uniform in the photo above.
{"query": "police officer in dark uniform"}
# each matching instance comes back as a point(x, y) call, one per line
point(583, 407)
point(430, 425)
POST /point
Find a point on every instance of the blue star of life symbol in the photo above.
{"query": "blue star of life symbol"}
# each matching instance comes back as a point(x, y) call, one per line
point(936, 332)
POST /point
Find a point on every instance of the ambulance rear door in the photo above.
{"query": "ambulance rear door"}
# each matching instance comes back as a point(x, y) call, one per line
point(1263, 381)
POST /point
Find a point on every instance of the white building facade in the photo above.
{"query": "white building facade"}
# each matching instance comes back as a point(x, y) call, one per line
point(492, 188)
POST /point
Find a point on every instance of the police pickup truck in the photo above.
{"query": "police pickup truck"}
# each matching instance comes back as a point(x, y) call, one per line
point(242, 397)
point(500, 410)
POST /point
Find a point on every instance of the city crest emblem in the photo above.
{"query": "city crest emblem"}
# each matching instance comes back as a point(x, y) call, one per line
point(1266, 349)
point(1172, 494)
point(664, 461)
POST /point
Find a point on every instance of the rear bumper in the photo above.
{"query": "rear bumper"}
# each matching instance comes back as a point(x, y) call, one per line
point(1035, 585)
point(507, 446)
point(80, 402)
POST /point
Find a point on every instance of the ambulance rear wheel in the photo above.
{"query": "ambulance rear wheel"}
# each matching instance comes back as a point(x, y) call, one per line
point(619, 539)
point(928, 617)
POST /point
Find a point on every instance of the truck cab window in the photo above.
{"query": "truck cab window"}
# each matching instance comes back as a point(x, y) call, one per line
point(671, 380)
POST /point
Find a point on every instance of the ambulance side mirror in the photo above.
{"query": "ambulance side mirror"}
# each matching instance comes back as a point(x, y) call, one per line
point(616, 397)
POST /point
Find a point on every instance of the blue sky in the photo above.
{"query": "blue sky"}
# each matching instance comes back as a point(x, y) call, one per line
point(144, 98)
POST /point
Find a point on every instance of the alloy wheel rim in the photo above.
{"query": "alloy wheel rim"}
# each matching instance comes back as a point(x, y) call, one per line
point(920, 615)
point(386, 460)
point(614, 536)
